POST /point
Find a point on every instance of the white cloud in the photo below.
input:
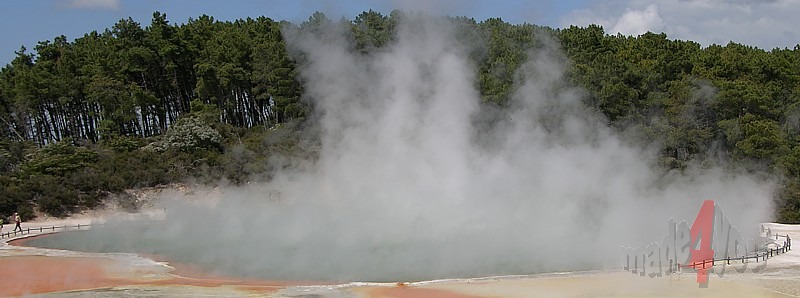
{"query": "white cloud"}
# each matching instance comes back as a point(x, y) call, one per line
point(766, 24)
point(637, 22)
point(95, 4)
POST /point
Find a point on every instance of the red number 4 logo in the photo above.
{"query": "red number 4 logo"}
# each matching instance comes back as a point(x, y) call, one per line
point(702, 233)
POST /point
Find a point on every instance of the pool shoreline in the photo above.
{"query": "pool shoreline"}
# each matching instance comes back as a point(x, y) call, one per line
point(105, 274)
point(32, 270)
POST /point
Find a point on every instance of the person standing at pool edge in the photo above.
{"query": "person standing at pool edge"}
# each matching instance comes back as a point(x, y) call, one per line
point(17, 220)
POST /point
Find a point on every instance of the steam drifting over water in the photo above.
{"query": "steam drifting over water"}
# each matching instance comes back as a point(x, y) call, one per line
point(416, 181)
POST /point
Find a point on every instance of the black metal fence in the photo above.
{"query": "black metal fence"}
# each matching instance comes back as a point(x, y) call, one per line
point(42, 229)
point(759, 255)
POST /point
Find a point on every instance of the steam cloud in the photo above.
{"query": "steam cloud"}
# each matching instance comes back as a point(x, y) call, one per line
point(416, 181)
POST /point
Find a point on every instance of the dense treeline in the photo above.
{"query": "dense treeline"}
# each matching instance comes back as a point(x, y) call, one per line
point(139, 106)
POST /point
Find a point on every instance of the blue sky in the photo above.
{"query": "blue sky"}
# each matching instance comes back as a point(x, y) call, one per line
point(763, 23)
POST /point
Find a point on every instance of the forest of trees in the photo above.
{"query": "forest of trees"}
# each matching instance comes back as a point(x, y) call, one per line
point(210, 100)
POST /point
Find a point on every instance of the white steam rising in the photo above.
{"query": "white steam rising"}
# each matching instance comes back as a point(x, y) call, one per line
point(416, 181)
